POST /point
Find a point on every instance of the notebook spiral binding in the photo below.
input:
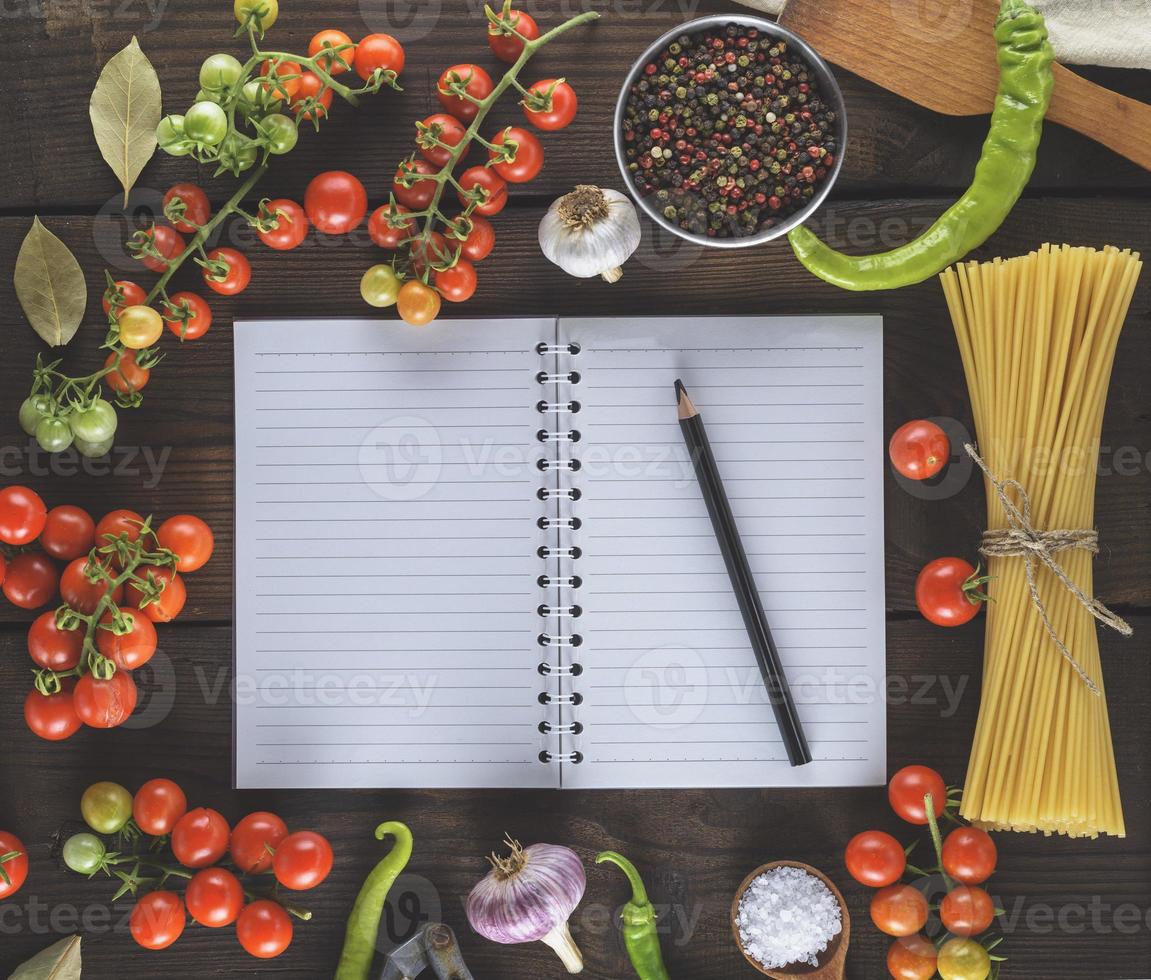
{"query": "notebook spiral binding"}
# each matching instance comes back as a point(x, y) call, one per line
point(559, 636)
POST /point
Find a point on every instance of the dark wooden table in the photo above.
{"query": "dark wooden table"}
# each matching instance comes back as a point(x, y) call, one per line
point(1075, 908)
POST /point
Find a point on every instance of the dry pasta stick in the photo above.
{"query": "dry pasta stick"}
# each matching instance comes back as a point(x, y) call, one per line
point(1037, 335)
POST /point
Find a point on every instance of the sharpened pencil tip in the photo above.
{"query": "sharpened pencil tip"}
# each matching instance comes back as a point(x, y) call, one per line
point(683, 401)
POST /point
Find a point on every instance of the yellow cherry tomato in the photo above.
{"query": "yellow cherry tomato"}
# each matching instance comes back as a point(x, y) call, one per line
point(140, 327)
point(380, 286)
point(419, 304)
point(266, 10)
point(963, 959)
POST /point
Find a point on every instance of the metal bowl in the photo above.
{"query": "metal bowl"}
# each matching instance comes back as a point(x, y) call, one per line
point(827, 85)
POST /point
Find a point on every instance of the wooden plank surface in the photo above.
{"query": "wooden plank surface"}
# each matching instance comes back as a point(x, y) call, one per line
point(1076, 909)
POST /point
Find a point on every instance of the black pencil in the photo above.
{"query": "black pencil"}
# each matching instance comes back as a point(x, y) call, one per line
point(742, 581)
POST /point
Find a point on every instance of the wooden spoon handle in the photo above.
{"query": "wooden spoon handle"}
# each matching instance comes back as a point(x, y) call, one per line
point(1119, 123)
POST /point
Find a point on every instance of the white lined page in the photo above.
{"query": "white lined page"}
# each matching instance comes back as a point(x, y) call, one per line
point(386, 566)
point(671, 692)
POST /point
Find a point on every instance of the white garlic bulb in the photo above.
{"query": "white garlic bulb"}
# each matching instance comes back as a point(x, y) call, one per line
point(591, 232)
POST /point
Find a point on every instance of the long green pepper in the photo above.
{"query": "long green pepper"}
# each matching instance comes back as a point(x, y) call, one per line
point(1026, 82)
point(640, 935)
point(364, 922)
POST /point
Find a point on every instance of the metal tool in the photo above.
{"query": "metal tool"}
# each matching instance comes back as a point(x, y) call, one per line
point(434, 947)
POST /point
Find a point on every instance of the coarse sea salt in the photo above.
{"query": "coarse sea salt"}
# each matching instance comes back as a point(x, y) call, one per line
point(787, 916)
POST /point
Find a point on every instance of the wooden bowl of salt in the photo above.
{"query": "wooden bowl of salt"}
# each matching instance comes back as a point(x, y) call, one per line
point(830, 962)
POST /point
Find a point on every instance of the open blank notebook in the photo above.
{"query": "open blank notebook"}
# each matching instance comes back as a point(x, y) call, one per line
point(476, 555)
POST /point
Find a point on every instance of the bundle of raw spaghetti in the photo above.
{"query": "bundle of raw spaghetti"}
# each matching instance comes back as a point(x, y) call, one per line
point(1038, 336)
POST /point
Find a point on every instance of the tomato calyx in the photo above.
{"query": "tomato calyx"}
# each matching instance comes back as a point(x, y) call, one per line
point(506, 23)
point(541, 100)
point(7, 858)
point(973, 590)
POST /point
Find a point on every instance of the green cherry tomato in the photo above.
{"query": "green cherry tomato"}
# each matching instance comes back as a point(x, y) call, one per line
point(266, 10)
point(280, 133)
point(380, 286)
point(172, 138)
point(32, 410)
point(93, 450)
point(84, 853)
point(237, 153)
point(106, 807)
point(96, 423)
point(256, 100)
point(963, 959)
point(206, 123)
point(219, 71)
point(54, 435)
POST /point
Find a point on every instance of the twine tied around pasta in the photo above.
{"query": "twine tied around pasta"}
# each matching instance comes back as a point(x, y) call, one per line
point(1021, 540)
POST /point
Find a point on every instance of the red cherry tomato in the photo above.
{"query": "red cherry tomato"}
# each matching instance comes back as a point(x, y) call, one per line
point(907, 790)
point(116, 523)
point(477, 83)
point(292, 229)
point(919, 449)
point(303, 860)
point(105, 703)
point(168, 242)
point(458, 283)
point(197, 209)
point(875, 859)
point(200, 838)
point(51, 647)
point(124, 374)
point(480, 241)
point(15, 868)
point(382, 232)
point(31, 580)
point(53, 716)
point(199, 317)
point(158, 805)
point(340, 59)
point(287, 83)
point(169, 604)
point(251, 839)
point(124, 294)
point(190, 538)
point(131, 650)
point(967, 911)
point(237, 276)
point(508, 47)
point(378, 51)
point(912, 958)
point(556, 115)
point(948, 592)
point(494, 186)
point(215, 897)
point(22, 516)
point(419, 195)
point(312, 87)
point(436, 129)
point(82, 594)
point(264, 929)
point(529, 155)
point(969, 855)
point(336, 202)
point(69, 532)
point(158, 920)
point(899, 910)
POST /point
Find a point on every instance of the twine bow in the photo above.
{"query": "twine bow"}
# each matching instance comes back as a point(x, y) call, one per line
point(1020, 539)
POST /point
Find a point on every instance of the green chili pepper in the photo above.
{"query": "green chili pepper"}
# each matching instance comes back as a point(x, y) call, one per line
point(364, 922)
point(1025, 85)
point(639, 928)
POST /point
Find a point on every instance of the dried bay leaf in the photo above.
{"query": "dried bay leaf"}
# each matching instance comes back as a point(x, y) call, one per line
point(125, 111)
point(58, 962)
point(50, 286)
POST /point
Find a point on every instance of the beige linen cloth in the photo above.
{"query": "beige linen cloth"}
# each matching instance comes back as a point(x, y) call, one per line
point(1084, 32)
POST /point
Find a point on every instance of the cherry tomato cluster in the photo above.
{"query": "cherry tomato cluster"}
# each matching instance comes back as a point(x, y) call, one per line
point(13, 864)
point(156, 818)
point(966, 859)
point(437, 252)
point(119, 577)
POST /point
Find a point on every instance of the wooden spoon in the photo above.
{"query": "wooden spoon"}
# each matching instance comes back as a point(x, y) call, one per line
point(831, 960)
point(948, 64)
